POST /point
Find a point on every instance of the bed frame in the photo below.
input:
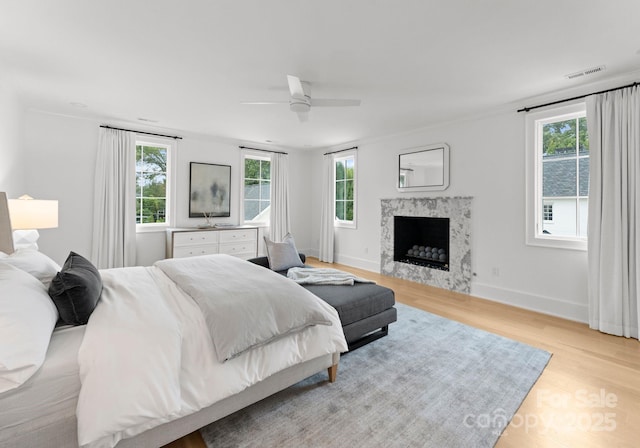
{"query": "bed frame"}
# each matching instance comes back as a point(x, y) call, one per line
point(62, 429)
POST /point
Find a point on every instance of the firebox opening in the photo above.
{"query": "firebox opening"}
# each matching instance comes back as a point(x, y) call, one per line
point(421, 241)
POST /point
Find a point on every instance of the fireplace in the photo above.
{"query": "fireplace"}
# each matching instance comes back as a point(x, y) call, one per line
point(452, 273)
point(422, 241)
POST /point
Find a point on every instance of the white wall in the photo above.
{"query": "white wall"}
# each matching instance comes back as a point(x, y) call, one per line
point(59, 153)
point(487, 163)
point(11, 168)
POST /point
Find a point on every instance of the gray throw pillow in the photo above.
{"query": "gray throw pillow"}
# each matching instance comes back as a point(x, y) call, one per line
point(283, 255)
point(76, 289)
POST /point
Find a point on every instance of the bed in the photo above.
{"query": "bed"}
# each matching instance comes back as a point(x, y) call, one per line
point(156, 361)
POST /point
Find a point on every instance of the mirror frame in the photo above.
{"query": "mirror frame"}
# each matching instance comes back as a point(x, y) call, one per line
point(445, 168)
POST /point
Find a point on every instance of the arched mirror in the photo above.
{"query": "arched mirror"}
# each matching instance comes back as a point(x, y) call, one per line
point(424, 168)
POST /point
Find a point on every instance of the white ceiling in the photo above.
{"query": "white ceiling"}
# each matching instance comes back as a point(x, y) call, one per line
point(413, 63)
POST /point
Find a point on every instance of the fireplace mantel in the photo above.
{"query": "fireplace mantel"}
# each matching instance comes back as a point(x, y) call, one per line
point(458, 210)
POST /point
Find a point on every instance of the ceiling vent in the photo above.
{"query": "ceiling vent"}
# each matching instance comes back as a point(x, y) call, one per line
point(589, 71)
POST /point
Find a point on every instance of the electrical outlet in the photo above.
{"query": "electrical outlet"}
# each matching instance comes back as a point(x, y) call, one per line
point(495, 271)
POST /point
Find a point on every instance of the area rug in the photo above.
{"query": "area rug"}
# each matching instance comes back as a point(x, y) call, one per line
point(431, 382)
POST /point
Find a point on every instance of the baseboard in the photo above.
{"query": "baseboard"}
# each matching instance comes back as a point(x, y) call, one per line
point(360, 263)
point(546, 305)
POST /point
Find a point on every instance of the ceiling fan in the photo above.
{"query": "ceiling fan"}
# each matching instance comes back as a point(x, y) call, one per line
point(300, 100)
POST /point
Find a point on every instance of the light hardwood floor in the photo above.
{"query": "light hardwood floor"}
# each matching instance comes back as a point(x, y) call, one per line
point(588, 395)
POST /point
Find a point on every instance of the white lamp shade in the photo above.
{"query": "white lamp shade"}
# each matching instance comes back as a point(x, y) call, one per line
point(27, 213)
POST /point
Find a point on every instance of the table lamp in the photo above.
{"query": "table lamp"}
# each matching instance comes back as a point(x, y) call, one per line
point(28, 215)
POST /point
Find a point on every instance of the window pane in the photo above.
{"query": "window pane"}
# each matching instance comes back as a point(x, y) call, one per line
point(251, 168)
point(564, 218)
point(583, 164)
point(340, 170)
point(584, 216)
point(583, 136)
point(340, 210)
point(349, 210)
point(154, 159)
point(251, 209)
point(559, 178)
point(559, 138)
point(251, 189)
point(264, 205)
point(349, 165)
point(154, 185)
point(138, 208)
point(349, 190)
point(339, 190)
point(265, 190)
point(153, 210)
point(265, 169)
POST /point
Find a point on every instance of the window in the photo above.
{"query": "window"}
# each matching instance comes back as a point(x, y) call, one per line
point(345, 190)
point(558, 177)
point(152, 183)
point(256, 193)
point(547, 213)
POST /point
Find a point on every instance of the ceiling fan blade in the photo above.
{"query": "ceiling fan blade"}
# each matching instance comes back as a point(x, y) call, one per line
point(303, 116)
point(264, 102)
point(320, 102)
point(295, 87)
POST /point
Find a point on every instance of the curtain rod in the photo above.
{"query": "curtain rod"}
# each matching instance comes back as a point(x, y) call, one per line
point(141, 132)
point(263, 150)
point(342, 150)
point(527, 109)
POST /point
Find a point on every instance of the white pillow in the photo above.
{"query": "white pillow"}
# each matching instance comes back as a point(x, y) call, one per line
point(27, 319)
point(35, 263)
point(283, 255)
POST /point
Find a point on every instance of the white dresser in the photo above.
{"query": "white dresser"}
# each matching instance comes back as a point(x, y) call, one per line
point(240, 241)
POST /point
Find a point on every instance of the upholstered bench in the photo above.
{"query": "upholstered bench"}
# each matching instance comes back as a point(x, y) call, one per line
point(365, 309)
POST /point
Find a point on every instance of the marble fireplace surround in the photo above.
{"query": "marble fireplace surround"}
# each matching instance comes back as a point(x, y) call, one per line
point(458, 210)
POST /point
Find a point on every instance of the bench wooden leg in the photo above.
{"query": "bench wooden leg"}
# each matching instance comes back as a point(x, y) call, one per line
point(333, 373)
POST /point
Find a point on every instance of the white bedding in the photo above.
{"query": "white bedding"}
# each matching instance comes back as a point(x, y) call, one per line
point(50, 393)
point(245, 305)
point(147, 357)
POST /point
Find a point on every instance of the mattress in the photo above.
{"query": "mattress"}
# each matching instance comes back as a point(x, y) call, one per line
point(51, 394)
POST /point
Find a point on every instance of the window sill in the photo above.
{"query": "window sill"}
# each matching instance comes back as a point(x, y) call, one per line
point(151, 228)
point(557, 243)
point(345, 225)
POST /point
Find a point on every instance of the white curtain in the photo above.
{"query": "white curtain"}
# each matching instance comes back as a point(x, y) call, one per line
point(114, 206)
point(613, 121)
point(280, 222)
point(327, 215)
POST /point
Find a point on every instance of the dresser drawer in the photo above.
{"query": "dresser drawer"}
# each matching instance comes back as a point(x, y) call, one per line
point(192, 251)
point(190, 238)
point(239, 249)
point(230, 236)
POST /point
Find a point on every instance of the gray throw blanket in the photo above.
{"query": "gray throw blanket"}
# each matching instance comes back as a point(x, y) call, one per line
point(323, 276)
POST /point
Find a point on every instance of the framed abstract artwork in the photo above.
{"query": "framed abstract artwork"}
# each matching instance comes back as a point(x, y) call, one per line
point(209, 190)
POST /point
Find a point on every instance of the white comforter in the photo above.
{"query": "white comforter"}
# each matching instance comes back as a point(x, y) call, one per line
point(147, 356)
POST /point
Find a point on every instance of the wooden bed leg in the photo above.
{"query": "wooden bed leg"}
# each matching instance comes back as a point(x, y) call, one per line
point(333, 373)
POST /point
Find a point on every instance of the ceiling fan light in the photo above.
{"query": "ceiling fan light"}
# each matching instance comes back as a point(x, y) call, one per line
point(299, 106)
